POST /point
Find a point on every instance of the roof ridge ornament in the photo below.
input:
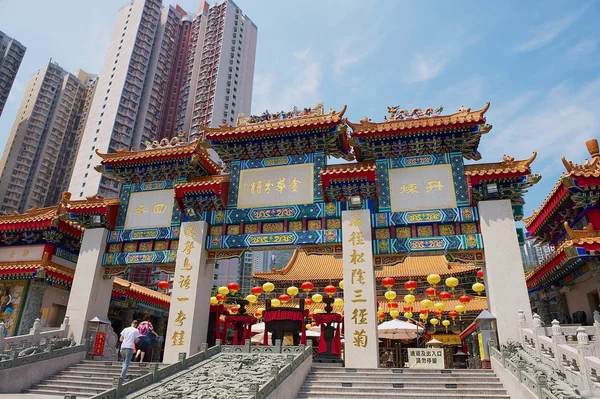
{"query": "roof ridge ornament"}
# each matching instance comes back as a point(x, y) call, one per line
point(588, 166)
point(587, 232)
point(395, 113)
point(266, 116)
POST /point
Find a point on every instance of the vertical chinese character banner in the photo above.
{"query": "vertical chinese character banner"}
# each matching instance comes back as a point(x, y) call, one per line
point(190, 296)
point(360, 303)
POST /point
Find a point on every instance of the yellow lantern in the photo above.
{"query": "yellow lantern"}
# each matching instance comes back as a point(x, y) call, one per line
point(439, 306)
point(213, 300)
point(452, 282)
point(275, 302)
point(317, 298)
point(394, 313)
point(409, 298)
point(434, 321)
point(251, 298)
point(223, 290)
point(425, 304)
point(433, 279)
point(260, 311)
point(341, 284)
point(408, 315)
point(460, 309)
point(423, 316)
point(308, 326)
point(292, 291)
point(446, 323)
point(268, 287)
point(478, 288)
point(319, 311)
point(338, 302)
point(390, 295)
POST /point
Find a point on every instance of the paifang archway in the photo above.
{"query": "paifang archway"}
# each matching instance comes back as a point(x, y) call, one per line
point(177, 211)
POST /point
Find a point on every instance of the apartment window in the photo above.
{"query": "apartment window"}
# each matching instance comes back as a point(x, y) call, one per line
point(91, 156)
point(99, 122)
point(95, 139)
point(86, 175)
point(97, 130)
point(88, 166)
point(80, 194)
point(102, 114)
point(233, 105)
point(83, 184)
point(104, 106)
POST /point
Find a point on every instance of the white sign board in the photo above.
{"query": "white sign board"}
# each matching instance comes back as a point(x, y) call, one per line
point(190, 297)
point(426, 358)
point(422, 188)
point(276, 186)
point(360, 306)
point(20, 253)
point(149, 209)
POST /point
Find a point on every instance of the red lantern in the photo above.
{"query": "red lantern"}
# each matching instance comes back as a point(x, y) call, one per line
point(311, 315)
point(393, 305)
point(307, 286)
point(453, 314)
point(234, 309)
point(388, 282)
point(381, 316)
point(408, 308)
point(444, 296)
point(257, 291)
point(480, 273)
point(233, 287)
point(221, 297)
point(308, 302)
point(330, 290)
point(464, 299)
point(431, 292)
point(164, 285)
point(438, 313)
point(410, 285)
point(424, 311)
point(284, 298)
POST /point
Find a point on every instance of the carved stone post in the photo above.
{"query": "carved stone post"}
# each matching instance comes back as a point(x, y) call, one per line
point(543, 310)
point(2, 345)
point(32, 309)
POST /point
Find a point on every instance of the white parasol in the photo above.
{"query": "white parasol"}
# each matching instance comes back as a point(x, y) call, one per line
point(397, 329)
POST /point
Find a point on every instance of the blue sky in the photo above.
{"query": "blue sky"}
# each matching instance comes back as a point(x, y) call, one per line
point(536, 62)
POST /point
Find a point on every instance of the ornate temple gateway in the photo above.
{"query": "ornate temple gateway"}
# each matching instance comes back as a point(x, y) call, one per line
point(408, 195)
point(569, 220)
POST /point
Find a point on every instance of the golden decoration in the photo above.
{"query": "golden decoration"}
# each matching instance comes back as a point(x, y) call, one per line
point(233, 229)
point(174, 244)
point(403, 232)
point(424, 231)
point(216, 230)
point(145, 246)
point(160, 245)
point(468, 228)
point(273, 227)
point(314, 225)
point(334, 224)
point(587, 232)
point(114, 248)
point(382, 234)
point(295, 226)
point(447, 230)
point(251, 228)
point(130, 247)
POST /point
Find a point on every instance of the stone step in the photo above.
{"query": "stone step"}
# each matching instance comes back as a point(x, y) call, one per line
point(104, 383)
point(362, 395)
point(403, 370)
point(368, 376)
point(416, 391)
point(81, 379)
point(98, 373)
point(407, 383)
point(143, 366)
point(55, 393)
point(48, 386)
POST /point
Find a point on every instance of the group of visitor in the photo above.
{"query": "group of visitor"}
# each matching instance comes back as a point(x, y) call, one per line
point(136, 337)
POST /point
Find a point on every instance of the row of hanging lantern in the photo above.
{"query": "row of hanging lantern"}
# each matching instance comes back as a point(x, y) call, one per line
point(427, 304)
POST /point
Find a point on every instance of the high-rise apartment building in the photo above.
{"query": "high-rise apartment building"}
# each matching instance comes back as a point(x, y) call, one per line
point(34, 167)
point(534, 255)
point(165, 71)
point(11, 55)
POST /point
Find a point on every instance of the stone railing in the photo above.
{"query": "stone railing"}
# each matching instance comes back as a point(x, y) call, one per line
point(296, 355)
point(35, 337)
point(554, 361)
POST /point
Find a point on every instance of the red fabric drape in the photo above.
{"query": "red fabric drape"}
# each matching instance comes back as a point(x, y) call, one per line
point(266, 337)
point(322, 340)
point(336, 344)
point(326, 318)
point(283, 314)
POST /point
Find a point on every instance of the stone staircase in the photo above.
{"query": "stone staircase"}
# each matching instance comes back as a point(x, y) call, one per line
point(86, 378)
point(327, 382)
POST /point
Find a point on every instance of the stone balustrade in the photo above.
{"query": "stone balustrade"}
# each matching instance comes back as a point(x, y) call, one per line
point(569, 357)
point(36, 337)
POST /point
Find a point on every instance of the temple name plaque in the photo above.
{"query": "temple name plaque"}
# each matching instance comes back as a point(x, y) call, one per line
point(150, 209)
point(422, 188)
point(276, 186)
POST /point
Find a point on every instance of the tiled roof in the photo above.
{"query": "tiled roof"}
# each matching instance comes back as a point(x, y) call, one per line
point(508, 165)
point(365, 126)
point(530, 219)
point(21, 267)
point(303, 267)
point(138, 289)
point(199, 182)
point(94, 201)
point(33, 215)
point(225, 131)
point(350, 167)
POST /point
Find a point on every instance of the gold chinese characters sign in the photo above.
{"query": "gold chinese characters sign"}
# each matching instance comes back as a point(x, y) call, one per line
point(20, 253)
point(360, 313)
point(422, 188)
point(276, 186)
point(188, 313)
point(150, 209)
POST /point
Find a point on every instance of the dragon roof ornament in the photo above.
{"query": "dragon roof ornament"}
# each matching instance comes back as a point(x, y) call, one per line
point(395, 113)
point(266, 116)
point(588, 167)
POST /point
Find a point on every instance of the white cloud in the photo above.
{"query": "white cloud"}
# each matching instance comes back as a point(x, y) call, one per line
point(546, 33)
point(425, 66)
point(554, 123)
point(300, 85)
point(586, 46)
point(16, 92)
